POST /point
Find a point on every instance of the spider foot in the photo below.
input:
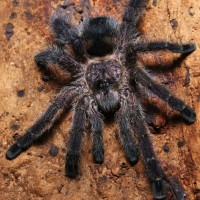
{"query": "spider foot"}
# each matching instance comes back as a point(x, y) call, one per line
point(72, 165)
point(185, 48)
point(188, 48)
point(158, 188)
point(176, 189)
point(132, 154)
point(13, 152)
point(98, 155)
point(188, 114)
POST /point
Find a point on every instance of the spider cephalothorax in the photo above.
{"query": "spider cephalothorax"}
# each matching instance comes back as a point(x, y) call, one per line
point(97, 64)
point(104, 78)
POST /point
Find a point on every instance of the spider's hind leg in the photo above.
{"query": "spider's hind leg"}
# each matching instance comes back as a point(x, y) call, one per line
point(130, 20)
point(162, 45)
point(66, 34)
point(133, 13)
point(59, 64)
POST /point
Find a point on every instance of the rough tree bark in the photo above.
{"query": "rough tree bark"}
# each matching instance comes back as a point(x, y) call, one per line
point(39, 172)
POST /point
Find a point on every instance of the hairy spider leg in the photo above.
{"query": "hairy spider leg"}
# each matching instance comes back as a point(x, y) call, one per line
point(61, 102)
point(96, 130)
point(162, 45)
point(65, 34)
point(60, 64)
point(76, 135)
point(153, 168)
point(126, 132)
point(130, 20)
point(186, 112)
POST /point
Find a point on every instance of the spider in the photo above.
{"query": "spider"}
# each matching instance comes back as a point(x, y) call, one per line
point(97, 63)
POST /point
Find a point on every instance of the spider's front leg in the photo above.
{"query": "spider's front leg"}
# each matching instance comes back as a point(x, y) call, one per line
point(76, 135)
point(186, 112)
point(61, 102)
point(96, 129)
point(127, 135)
point(153, 168)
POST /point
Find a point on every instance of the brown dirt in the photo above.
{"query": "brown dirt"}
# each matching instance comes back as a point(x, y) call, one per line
point(24, 95)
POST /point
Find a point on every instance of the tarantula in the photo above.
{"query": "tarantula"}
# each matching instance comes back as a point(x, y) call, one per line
point(97, 63)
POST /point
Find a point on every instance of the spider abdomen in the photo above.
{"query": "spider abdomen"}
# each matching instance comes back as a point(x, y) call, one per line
point(100, 34)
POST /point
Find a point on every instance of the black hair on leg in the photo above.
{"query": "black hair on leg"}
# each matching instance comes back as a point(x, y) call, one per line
point(59, 64)
point(126, 131)
point(45, 122)
point(96, 129)
point(66, 34)
point(186, 112)
point(76, 135)
point(130, 20)
point(131, 50)
point(162, 45)
point(133, 12)
point(153, 168)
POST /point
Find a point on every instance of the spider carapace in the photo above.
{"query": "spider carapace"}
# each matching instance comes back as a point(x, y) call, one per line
point(102, 74)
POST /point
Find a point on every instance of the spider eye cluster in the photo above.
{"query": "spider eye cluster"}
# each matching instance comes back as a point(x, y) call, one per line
point(102, 84)
point(100, 35)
